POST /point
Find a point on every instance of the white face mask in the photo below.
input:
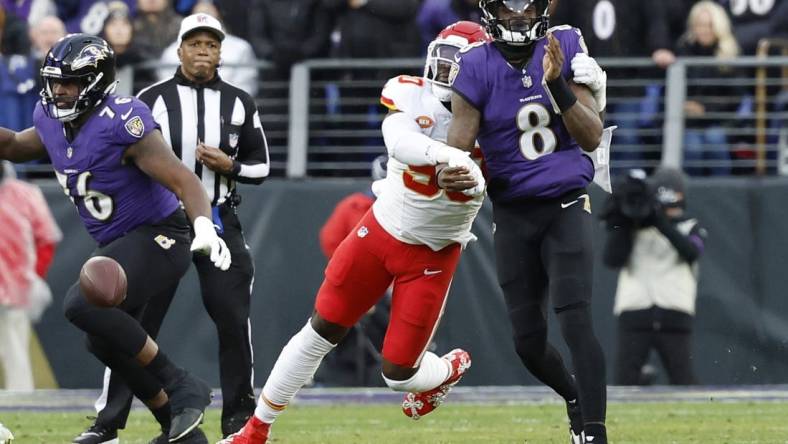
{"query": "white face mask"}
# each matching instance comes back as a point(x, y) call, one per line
point(442, 52)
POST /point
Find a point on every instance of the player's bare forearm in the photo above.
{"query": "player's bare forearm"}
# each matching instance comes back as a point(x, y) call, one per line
point(582, 120)
point(21, 146)
point(156, 159)
point(464, 124)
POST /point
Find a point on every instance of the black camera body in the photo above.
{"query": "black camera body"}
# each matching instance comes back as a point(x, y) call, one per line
point(633, 202)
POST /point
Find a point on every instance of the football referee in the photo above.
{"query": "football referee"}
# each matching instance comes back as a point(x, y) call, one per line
point(215, 129)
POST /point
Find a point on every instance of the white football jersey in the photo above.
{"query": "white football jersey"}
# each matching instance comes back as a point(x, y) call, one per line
point(410, 205)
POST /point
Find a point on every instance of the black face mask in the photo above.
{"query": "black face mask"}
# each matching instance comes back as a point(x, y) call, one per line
point(520, 54)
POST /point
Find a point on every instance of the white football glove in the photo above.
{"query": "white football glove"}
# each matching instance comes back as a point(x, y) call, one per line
point(206, 241)
point(586, 71)
point(458, 158)
point(476, 172)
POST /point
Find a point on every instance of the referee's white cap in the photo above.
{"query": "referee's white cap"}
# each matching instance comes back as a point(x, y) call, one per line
point(200, 21)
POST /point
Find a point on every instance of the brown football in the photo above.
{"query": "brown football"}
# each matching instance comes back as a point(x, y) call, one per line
point(103, 281)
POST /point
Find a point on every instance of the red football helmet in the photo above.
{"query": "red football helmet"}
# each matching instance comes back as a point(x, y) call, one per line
point(441, 54)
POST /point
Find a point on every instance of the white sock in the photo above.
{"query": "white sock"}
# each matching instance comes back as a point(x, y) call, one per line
point(432, 372)
point(297, 363)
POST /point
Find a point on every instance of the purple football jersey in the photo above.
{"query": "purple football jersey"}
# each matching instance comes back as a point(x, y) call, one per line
point(528, 150)
point(112, 197)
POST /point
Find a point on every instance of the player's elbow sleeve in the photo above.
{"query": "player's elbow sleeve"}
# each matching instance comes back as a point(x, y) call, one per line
point(405, 142)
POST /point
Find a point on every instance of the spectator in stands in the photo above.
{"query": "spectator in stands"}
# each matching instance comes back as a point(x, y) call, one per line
point(30, 11)
point(626, 28)
point(755, 20)
point(88, 16)
point(118, 31)
point(43, 35)
point(18, 74)
point(156, 25)
point(435, 15)
point(708, 35)
point(288, 31)
point(13, 34)
point(376, 28)
point(236, 17)
point(28, 236)
point(235, 51)
point(656, 247)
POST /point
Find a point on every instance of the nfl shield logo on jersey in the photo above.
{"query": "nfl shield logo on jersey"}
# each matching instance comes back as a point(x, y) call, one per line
point(527, 82)
point(69, 152)
point(362, 232)
point(135, 127)
point(233, 139)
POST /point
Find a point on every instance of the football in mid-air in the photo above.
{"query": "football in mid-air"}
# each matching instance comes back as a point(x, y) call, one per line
point(103, 281)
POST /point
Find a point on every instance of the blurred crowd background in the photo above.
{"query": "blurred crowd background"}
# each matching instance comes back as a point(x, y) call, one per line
point(732, 113)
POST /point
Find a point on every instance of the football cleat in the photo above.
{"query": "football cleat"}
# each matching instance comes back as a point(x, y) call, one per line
point(254, 432)
point(575, 422)
point(97, 434)
point(189, 396)
point(416, 405)
point(196, 436)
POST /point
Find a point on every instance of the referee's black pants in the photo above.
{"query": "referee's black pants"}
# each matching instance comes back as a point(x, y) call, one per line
point(226, 296)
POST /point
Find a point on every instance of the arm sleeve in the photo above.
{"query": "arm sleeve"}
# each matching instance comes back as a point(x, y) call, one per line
point(405, 141)
point(252, 164)
point(618, 246)
point(689, 246)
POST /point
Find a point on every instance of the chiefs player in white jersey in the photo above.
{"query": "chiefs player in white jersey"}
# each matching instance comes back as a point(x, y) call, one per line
point(410, 239)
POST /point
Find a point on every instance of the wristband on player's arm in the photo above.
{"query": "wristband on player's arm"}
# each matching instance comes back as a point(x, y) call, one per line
point(560, 94)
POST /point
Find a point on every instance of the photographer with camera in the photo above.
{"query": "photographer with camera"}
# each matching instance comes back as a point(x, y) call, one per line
point(656, 247)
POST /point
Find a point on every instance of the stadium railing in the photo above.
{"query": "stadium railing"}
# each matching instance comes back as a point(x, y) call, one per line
point(325, 122)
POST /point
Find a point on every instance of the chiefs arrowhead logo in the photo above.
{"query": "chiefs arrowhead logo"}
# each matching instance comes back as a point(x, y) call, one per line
point(425, 122)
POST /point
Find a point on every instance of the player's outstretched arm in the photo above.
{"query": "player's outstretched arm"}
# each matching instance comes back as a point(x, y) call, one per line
point(155, 158)
point(464, 124)
point(21, 146)
point(406, 143)
point(152, 155)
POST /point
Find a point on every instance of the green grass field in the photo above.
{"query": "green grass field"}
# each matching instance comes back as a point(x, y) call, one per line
point(652, 423)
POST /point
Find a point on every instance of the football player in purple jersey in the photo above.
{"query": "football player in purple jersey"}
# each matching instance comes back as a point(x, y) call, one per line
point(535, 125)
point(125, 182)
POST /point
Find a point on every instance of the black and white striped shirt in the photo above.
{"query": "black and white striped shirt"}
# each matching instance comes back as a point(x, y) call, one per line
point(218, 114)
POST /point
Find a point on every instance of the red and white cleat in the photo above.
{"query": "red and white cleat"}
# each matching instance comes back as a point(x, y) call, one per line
point(416, 405)
point(253, 432)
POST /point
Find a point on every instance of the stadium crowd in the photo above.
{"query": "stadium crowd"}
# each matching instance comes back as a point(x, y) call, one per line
point(285, 32)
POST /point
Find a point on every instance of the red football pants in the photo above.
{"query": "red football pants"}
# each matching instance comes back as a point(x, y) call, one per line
point(363, 267)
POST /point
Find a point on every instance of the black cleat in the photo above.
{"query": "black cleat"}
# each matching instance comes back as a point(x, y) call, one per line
point(97, 434)
point(196, 436)
point(575, 422)
point(189, 396)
